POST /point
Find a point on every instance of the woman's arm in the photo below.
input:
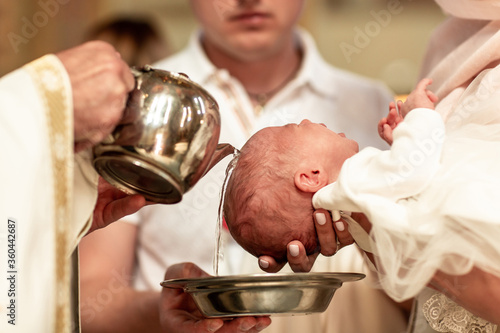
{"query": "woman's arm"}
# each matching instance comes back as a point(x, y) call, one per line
point(476, 291)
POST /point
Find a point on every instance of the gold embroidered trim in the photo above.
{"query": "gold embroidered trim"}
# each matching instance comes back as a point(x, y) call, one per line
point(51, 82)
point(444, 315)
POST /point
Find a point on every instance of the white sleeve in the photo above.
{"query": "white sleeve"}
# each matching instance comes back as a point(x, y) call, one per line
point(389, 175)
point(453, 186)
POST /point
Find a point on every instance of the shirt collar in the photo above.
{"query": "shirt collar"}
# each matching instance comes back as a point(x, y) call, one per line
point(201, 68)
point(313, 67)
point(311, 71)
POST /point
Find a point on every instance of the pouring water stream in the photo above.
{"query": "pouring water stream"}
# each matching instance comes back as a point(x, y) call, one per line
point(218, 256)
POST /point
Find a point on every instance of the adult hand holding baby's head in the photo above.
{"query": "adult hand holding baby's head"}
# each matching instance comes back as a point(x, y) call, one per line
point(332, 236)
point(332, 233)
point(297, 258)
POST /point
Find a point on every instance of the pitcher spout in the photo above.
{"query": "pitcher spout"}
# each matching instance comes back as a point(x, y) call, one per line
point(222, 150)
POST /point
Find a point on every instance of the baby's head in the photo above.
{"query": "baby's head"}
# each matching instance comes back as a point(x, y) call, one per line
point(268, 199)
point(262, 207)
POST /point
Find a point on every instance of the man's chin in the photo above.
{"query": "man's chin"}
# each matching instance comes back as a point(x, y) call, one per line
point(254, 45)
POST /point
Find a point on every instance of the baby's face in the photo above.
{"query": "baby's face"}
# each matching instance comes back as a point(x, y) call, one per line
point(318, 139)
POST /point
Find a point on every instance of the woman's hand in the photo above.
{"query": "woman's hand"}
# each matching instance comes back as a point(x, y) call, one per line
point(332, 237)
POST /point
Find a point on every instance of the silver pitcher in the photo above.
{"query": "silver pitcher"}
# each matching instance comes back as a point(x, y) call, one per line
point(169, 139)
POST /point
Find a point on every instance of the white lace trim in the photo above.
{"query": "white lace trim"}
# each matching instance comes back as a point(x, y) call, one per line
point(444, 315)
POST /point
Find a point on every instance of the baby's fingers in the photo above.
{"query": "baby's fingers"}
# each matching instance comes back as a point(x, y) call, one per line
point(433, 98)
point(392, 118)
point(380, 127)
point(392, 106)
point(422, 84)
point(387, 134)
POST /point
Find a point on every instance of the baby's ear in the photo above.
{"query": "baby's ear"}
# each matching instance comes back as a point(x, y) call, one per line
point(310, 180)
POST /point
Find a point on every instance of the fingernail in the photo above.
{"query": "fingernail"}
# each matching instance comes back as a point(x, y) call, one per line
point(245, 327)
point(263, 263)
point(294, 250)
point(214, 326)
point(321, 218)
point(340, 226)
point(260, 327)
point(335, 215)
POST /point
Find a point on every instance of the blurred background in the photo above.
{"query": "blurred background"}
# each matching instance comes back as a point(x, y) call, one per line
point(382, 39)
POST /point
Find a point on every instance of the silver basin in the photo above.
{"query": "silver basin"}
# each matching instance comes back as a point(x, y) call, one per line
point(263, 294)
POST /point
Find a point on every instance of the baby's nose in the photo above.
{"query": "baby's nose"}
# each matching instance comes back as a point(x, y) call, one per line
point(305, 121)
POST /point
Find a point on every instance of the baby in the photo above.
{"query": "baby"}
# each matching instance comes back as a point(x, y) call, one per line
point(431, 199)
point(268, 199)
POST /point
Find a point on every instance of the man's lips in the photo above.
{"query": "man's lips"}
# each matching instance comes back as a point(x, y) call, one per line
point(250, 17)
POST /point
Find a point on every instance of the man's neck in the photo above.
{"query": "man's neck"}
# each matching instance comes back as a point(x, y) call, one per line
point(259, 75)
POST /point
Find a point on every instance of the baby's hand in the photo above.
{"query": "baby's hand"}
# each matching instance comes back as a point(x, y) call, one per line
point(388, 124)
point(421, 97)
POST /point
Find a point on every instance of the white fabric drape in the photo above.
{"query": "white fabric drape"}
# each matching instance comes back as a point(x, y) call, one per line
point(430, 213)
point(38, 178)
